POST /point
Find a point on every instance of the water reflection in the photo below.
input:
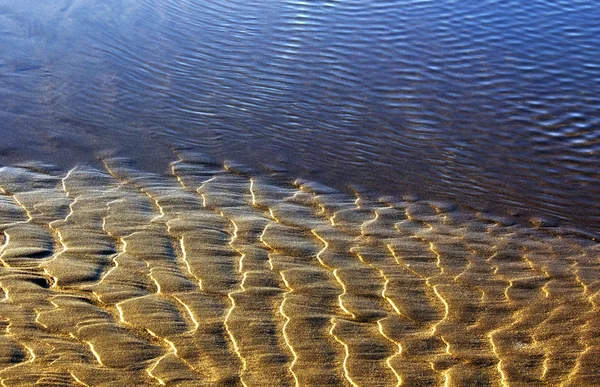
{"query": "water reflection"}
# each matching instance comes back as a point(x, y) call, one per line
point(492, 103)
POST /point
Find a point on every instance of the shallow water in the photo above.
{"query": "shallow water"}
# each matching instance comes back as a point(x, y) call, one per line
point(443, 229)
point(494, 104)
point(212, 276)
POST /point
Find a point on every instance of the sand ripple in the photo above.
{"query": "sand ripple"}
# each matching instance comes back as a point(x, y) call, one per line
point(217, 276)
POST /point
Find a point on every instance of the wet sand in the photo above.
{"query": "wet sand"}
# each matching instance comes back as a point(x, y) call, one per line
point(215, 275)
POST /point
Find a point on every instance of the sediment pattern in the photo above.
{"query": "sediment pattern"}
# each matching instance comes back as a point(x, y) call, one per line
point(215, 275)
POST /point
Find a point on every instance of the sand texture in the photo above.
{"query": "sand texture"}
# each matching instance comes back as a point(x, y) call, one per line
point(217, 276)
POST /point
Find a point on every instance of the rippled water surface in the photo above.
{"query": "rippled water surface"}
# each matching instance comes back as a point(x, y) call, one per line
point(494, 104)
point(299, 193)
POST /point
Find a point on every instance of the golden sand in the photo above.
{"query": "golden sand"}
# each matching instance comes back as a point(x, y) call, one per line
point(212, 276)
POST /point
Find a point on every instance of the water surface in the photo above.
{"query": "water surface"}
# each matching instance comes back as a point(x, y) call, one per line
point(442, 231)
point(493, 104)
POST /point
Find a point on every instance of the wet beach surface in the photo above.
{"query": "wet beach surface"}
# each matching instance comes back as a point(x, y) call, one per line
point(299, 193)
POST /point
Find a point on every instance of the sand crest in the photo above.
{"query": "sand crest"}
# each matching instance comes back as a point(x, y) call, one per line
point(217, 276)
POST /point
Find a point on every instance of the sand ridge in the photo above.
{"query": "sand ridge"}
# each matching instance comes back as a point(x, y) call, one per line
point(215, 275)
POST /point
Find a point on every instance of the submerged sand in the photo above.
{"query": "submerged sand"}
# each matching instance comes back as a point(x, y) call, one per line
point(216, 276)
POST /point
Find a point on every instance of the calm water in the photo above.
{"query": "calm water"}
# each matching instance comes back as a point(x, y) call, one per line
point(494, 104)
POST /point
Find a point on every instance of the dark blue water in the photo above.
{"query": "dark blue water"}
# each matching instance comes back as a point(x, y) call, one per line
point(494, 104)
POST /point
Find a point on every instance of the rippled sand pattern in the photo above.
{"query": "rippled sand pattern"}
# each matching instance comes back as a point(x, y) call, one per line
point(216, 276)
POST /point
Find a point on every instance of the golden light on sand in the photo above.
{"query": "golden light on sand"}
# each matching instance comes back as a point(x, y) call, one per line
point(213, 276)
